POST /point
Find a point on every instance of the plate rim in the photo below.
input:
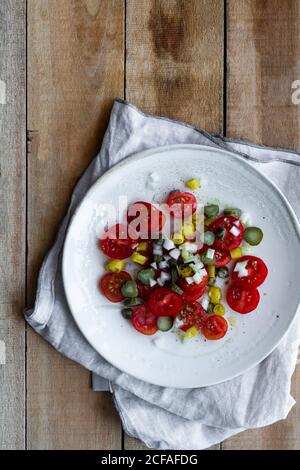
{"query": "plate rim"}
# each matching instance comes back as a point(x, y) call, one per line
point(161, 149)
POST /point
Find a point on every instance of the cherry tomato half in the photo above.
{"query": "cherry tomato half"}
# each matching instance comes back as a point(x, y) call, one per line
point(163, 302)
point(228, 241)
point(116, 242)
point(257, 272)
point(143, 320)
point(146, 219)
point(182, 204)
point(215, 327)
point(111, 283)
point(242, 299)
point(192, 315)
point(221, 258)
point(192, 292)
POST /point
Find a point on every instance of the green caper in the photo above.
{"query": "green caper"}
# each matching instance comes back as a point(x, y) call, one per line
point(145, 275)
point(208, 238)
point(233, 211)
point(164, 323)
point(129, 289)
point(211, 210)
point(126, 313)
point(253, 235)
point(133, 302)
point(223, 272)
point(220, 233)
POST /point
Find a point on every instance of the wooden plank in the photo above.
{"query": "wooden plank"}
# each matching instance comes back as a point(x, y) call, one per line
point(174, 59)
point(263, 62)
point(75, 69)
point(174, 65)
point(12, 223)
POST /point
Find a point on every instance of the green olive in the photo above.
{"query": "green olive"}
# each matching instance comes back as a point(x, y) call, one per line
point(211, 210)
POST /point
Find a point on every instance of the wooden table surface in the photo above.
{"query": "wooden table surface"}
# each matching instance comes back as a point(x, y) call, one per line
point(225, 66)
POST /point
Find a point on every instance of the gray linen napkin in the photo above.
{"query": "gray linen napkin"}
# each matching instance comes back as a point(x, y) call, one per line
point(168, 418)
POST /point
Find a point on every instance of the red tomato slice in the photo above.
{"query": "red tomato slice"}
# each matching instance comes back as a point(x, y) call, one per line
point(229, 241)
point(257, 272)
point(182, 204)
point(192, 314)
point(116, 242)
point(192, 292)
point(143, 320)
point(110, 285)
point(242, 299)
point(163, 302)
point(215, 327)
point(145, 290)
point(222, 258)
point(146, 219)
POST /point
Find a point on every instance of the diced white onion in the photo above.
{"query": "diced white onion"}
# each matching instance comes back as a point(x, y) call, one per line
point(167, 257)
point(152, 282)
point(163, 265)
point(189, 280)
point(160, 282)
point(240, 268)
point(157, 250)
point(210, 253)
point(235, 231)
point(205, 302)
point(169, 244)
point(198, 266)
point(197, 278)
point(190, 247)
point(153, 265)
point(165, 276)
point(203, 272)
point(175, 253)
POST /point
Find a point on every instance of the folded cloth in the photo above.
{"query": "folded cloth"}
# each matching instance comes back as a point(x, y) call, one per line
point(168, 418)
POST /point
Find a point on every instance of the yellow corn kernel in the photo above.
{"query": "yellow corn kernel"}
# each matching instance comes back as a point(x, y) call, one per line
point(115, 265)
point(215, 295)
point(208, 221)
point(143, 246)
point(185, 271)
point(178, 238)
point(232, 321)
point(219, 309)
point(193, 183)
point(191, 332)
point(188, 230)
point(235, 253)
point(211, 272)
point(138, 258)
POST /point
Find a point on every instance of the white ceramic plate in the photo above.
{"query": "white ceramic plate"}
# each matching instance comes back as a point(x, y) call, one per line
point(162, 359)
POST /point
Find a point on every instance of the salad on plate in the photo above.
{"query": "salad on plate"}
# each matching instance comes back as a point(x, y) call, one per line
point(185, 258)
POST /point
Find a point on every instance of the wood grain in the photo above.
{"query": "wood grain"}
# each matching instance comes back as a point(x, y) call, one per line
point(12, 222)
point(174, 65)
point(75, 69)
point(263, 61)
point(174, 59)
